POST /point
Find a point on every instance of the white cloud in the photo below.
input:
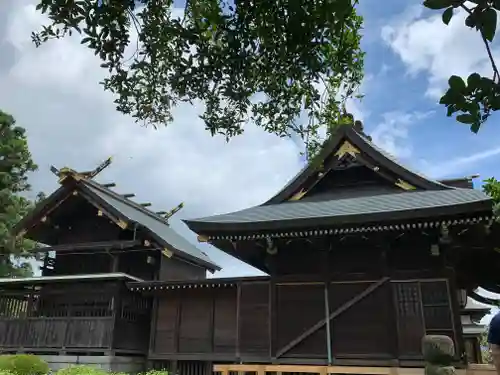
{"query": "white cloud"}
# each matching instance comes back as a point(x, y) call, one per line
point(53, 92)
point(392, 133)
point(457, 165)
point(426, 45)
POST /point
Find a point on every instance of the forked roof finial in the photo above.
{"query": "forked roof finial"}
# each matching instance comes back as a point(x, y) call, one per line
point(65, 171)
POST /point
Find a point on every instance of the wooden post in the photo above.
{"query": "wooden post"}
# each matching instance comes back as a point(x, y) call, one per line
point(238, 311)
point(392, 303)
point(272, 319)
point(212, 296)
point(115, 259)
point(152, 328)
point(116, 305)
point(327, 317)
point(327, 307)
point(177, 329)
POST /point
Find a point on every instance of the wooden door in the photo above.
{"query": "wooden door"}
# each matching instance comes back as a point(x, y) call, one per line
point(357, 314)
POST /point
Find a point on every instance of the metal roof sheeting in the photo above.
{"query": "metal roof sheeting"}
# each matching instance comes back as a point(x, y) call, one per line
point(344, 208)
point(157, 225)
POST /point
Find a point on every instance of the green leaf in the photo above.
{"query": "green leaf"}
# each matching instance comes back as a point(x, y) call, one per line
point(495, 103)
point(85, 40)
point(473, 81)
point(475, 127)
point(437, 4)
point(465, 118)
point(489, 23)
point(447, 14)
point(456, 83)
point(470, 21)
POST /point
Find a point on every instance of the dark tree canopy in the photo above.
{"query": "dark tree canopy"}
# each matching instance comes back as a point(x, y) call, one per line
point(15, 164)
point(221, 53)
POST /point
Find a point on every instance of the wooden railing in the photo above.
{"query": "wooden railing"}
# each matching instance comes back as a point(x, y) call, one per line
point(60, 332)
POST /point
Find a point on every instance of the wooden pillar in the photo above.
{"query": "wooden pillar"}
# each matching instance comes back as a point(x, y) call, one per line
point(152, 327)
point(391, 300)
point(116, 304)
point(115, 262)
point(272, 319)
point(238, 313)
point(178, 318)
point(327, 278)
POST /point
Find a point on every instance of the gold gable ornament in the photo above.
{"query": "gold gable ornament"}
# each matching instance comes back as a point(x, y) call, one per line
point(122, 224)
point(298, 196)
point(404, 185)
point(346, 148)
point(167, 253)
point(202, 238)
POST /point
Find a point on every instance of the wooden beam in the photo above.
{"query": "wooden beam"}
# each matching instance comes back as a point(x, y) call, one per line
point(472, 369)
point(334, 314)
point(145, 204)
point(103, 245)
point(307, 369)
point(160, 212)
point(109, 185)
point(128, 195)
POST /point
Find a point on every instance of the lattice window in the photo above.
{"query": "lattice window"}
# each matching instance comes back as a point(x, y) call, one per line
point(423, 307)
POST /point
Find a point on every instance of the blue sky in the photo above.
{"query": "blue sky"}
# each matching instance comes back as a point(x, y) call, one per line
point(439, 145)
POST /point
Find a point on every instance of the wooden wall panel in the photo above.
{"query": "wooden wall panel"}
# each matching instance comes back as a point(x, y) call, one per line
point(176, 269)
point(299, 307)
point(166, 322)
point(195, 331)
point(254, 327)
point(225, 326)
point(365, 328)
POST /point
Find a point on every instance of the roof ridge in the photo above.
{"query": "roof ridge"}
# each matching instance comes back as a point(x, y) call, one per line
point(128, 202)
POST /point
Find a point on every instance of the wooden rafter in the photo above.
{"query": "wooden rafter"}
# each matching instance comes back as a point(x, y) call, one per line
point(174, 210)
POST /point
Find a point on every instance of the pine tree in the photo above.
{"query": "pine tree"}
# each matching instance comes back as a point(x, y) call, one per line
point(15, 164)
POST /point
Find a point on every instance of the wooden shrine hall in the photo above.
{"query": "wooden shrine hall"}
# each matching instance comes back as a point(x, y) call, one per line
point(363, 258)
point(93, 241)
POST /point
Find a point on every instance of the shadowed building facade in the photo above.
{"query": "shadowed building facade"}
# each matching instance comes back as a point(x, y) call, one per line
point(363, 257)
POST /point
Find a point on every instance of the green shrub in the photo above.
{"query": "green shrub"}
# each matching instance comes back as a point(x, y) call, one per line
point(155, 372)
point(23, 364)
point(81, 370)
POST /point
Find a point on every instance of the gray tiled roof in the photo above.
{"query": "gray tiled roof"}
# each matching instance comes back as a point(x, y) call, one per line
point(136, 213)
point(340, 209)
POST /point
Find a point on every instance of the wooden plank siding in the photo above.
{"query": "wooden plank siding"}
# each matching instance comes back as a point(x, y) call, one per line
point(73, 317)
point(268, 321)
